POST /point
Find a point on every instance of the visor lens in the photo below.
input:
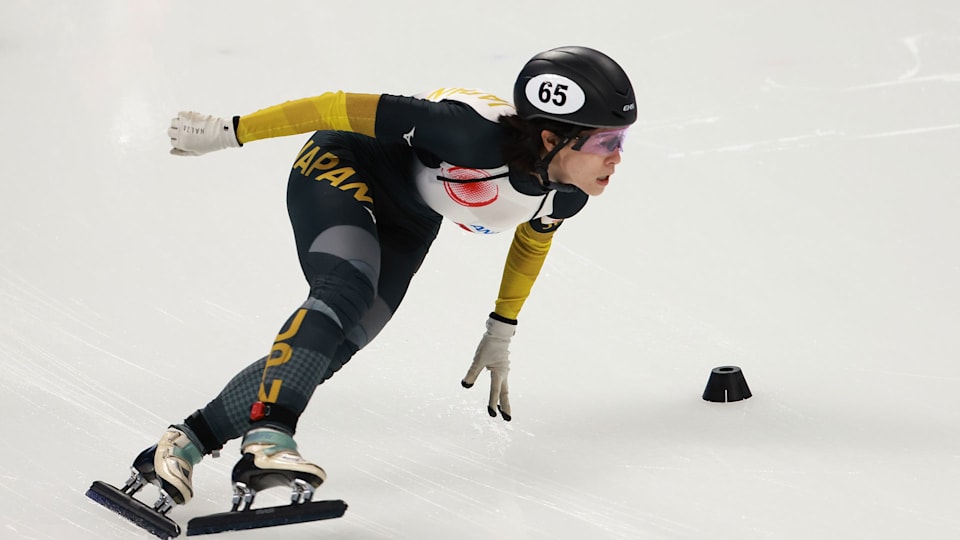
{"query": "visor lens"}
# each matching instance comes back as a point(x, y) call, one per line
point(602, 142)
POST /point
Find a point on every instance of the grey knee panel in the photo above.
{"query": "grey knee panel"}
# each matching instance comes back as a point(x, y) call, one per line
point(371, 323)
point(345, 267)
point(353, 244)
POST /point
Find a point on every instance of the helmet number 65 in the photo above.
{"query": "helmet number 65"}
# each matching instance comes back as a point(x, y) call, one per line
point(554, 94)
point(557, 94)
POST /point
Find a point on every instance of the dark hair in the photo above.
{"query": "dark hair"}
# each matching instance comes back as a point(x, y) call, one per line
point(522, 146)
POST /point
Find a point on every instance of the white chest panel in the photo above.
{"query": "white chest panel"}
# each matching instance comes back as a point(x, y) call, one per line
point(480, 206)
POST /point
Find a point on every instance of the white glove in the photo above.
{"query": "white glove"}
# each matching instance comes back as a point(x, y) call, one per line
point(493, 353)
point(195, 134)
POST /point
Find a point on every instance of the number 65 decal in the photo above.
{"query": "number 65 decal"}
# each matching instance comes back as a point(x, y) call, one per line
point(558, 92)
point(554, 94)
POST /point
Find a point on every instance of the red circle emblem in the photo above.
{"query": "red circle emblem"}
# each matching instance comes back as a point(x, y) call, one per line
point(472, 194)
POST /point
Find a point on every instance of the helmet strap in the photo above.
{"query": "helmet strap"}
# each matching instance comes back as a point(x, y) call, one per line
point(542, 164)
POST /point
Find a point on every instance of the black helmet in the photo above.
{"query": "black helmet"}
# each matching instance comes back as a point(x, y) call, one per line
point(575, 85)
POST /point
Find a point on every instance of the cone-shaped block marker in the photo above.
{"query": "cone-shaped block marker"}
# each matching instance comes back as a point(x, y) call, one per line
point(726, 384)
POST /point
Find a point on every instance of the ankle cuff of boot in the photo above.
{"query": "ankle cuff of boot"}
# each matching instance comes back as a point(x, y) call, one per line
point(200, 432)
point(190, 453)
point(183, 447)
point(278, 439)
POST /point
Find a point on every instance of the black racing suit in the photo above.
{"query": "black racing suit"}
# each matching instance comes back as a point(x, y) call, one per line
point(356, 198)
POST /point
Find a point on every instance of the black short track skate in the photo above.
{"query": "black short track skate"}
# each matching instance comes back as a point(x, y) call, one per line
point(248, 480)
point(122, 501)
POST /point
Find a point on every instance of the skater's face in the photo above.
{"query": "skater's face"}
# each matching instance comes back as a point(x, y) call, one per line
point(586, 162)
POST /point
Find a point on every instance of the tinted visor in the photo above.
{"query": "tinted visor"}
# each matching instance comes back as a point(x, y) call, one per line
point(601, 142)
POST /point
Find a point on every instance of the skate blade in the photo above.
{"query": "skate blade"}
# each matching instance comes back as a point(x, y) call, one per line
point(266, 517)
point(134, 510)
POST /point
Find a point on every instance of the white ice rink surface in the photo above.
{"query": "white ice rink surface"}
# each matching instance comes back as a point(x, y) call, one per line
point(789, 202)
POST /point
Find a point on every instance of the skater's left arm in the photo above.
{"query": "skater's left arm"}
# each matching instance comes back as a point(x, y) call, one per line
point(528, 251)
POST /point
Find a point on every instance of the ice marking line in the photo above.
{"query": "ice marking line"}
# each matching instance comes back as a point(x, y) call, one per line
point(914, 131)
point(557, 496)
point(946, 77)
point(787, 142)
point(168, 314)
point(380, 530)
point(678, 123)
point(904, 374)
point(29, 291)
point(435, 487)
point(223, 309)
point(116, 357)
point(403, 489)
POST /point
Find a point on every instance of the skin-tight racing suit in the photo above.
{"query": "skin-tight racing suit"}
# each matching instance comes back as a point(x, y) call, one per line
point(366, 196)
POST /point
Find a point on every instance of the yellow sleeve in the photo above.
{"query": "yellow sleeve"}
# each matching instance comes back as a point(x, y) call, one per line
point(332, 110)
point(524, 261)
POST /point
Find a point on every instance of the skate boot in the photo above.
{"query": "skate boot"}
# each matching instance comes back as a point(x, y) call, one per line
point(270, 459)
point(169, 465)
